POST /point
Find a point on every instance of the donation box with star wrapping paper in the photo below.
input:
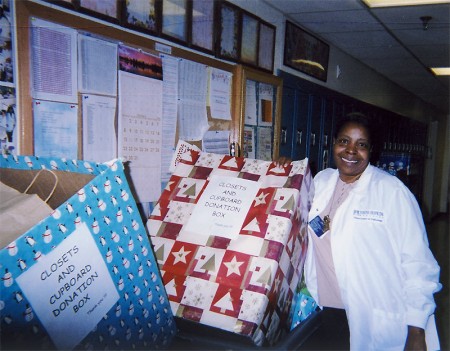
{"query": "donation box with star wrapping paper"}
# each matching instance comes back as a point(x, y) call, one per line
point(84, 277)
point(230, 237)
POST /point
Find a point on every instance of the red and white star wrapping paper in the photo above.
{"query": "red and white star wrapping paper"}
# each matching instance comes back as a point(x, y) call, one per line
point(242, 285)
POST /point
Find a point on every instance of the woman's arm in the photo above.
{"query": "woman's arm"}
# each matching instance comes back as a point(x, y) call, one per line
point(415, 339)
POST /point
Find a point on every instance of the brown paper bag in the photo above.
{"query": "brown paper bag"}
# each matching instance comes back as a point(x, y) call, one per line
point(21, 211)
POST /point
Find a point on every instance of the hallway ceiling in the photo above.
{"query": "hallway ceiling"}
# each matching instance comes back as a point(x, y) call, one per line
point(390, 40)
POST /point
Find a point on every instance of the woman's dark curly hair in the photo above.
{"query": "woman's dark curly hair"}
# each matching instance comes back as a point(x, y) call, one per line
point(362, 120)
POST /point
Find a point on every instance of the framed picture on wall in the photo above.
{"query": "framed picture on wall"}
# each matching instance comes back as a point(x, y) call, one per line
point(266, 48)
point(249, 39)
point(202, 25)
point(174, 21)
point(304, 52)
point(108, 10)
point(229, 30)
point(140, 15)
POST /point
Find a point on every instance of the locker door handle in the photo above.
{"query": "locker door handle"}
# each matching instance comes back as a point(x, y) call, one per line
point(299, 134)
point(283, 136)
point(325, 159)
point(325, 140)
point(313, 139)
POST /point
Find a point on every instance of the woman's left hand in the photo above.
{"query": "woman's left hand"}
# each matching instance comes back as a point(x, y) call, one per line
point(282, 161)
point(415, 339)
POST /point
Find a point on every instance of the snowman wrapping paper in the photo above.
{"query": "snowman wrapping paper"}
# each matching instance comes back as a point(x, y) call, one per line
point(85, 277)
point(240, 280)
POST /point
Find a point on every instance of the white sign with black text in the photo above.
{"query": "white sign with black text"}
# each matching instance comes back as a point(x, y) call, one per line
point(70, 289)
point(223, 206)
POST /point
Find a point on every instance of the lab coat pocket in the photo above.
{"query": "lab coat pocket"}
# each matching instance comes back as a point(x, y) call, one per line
point(389, 333)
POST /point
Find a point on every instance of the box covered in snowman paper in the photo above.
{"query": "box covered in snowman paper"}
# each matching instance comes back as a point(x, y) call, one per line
point(85, 276)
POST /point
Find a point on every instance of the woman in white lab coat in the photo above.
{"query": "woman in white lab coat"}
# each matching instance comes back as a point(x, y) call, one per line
point(368, 253)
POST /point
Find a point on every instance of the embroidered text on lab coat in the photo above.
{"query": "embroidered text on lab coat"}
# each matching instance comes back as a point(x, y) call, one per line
point(368, 215)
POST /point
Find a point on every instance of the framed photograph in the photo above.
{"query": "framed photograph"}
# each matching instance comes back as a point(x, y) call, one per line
point(108, 10)
point(174, 21)
point(249, 39)
point(202, 25)
point(229, 30)
point(140, 15)
point(306, 53)
point(266, 49)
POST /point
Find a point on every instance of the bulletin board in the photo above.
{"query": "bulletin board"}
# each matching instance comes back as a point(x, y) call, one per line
point(147, 151)
point(26, 10)
point(259, 113)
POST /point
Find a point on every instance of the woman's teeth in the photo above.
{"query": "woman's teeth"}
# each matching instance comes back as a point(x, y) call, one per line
point(349, 161)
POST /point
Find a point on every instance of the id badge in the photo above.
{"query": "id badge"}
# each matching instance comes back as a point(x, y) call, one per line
point(317, 225)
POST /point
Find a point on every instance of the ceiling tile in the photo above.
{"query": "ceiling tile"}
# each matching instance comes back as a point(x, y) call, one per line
point(336, 22)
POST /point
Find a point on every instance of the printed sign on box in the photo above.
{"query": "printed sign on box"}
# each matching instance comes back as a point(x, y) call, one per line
point(85, 276)
point(70, 288)
point(222, 207)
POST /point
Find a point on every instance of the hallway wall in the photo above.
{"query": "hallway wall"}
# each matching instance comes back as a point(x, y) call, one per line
point(361, 82)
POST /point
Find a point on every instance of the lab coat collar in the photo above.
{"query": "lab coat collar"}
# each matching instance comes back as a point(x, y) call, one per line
point(365, 178)
point(363, 181)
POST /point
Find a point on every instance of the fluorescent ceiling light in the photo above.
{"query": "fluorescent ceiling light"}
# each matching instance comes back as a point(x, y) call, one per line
point(386, 3)
point(441, 71)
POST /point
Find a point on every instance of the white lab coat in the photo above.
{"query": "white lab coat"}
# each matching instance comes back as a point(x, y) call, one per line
point(386, 273)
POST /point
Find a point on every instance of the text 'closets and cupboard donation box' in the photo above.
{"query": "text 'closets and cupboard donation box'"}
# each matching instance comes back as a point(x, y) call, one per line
point(230, 238)
point(85, 276)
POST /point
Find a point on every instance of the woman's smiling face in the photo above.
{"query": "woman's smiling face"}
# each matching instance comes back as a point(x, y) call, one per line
point(351, 151)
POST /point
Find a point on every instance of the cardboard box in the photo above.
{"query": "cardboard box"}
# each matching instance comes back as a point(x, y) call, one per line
point(230, 237)
point(85, 276)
